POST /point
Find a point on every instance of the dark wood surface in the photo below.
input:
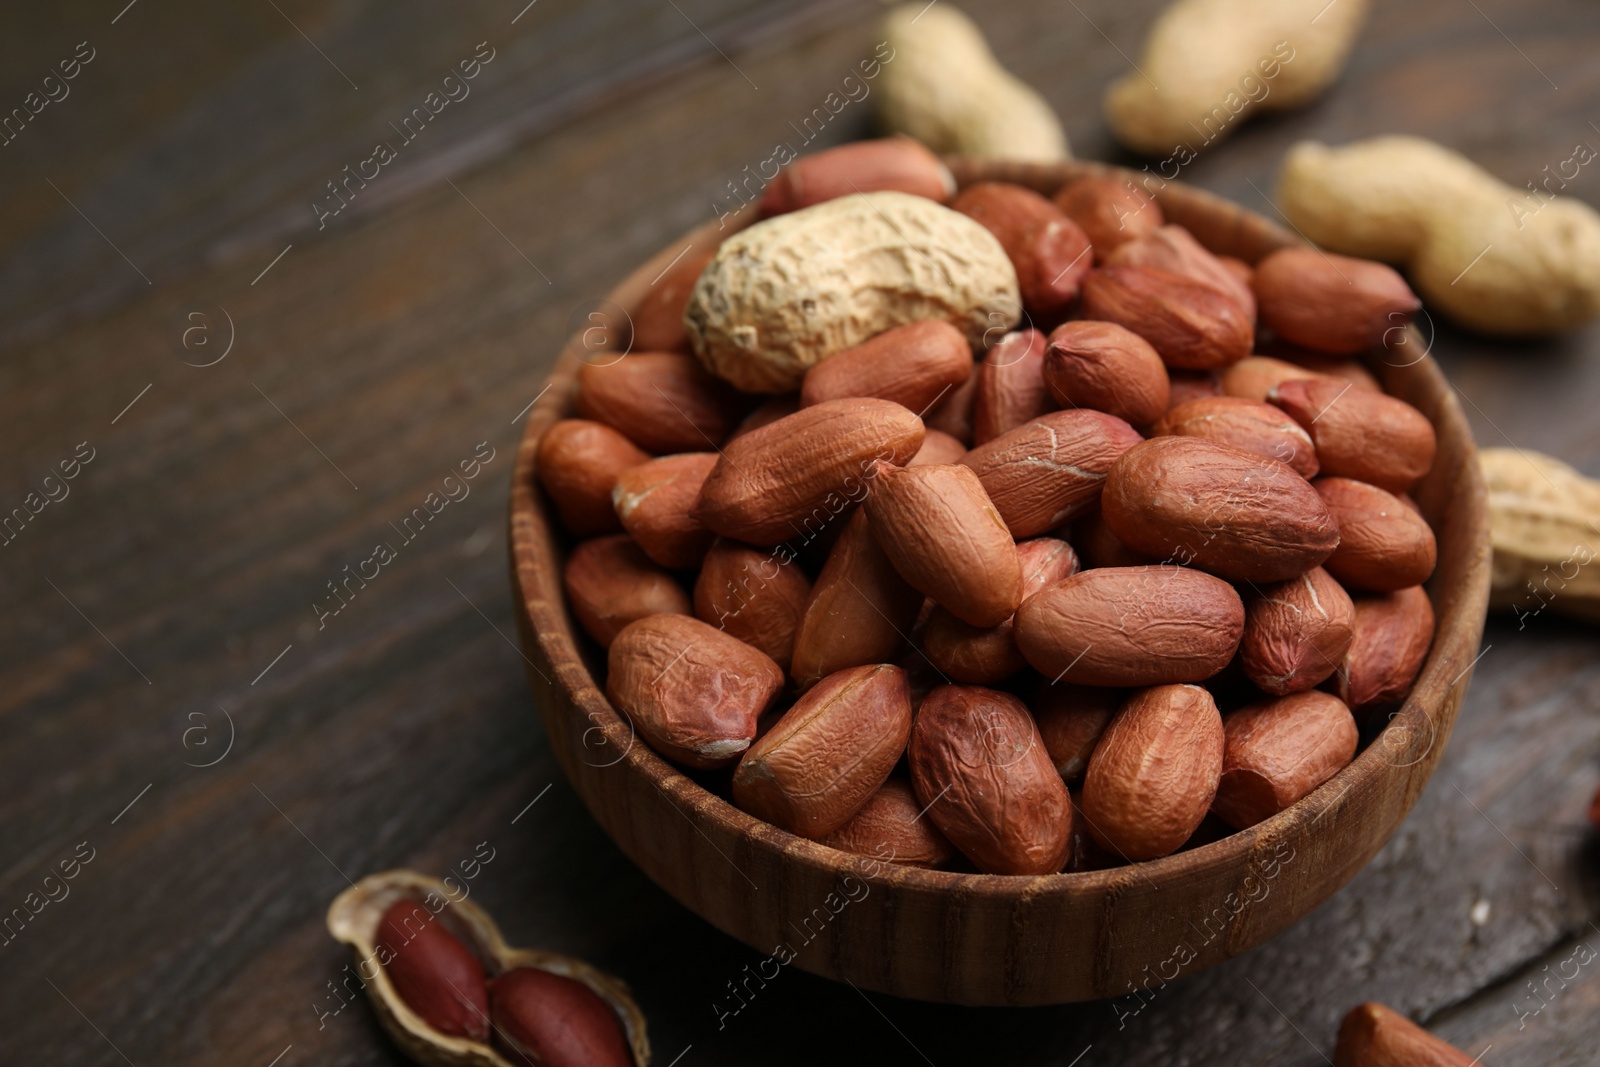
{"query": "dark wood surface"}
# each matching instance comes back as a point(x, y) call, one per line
point(148, 609)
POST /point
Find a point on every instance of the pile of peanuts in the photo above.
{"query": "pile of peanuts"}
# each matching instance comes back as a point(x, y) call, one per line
point(1115, 579)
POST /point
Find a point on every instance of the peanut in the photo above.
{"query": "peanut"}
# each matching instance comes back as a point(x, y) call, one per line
point(1108, 368)
point(1048, 250)
point(1010, 388)
point(1375, 1036)
point(986, 655)
point(1296, 633)
point(1279, 750)
point(1544, 525)
point(610, 582)
point(893, 817)
point(1383, 544)
point(1111, 211)
point(1331, 303)
point(912, 365)
point(1371, 437)
point(894, 163)
point(1173, 248)
point(543, 1019)
point(758, 597)
point(1191, 324)
point(1391, 636)
point(577, 464)
point(434, 973)
point(1259, 428)
point(661, 401)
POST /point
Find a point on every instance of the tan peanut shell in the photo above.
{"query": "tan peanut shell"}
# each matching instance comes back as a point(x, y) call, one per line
point(1494, 257)
point(1193, 325)
point(691, 691)
point(979, 765)
point(1107, 368)
point(1047, 471)
point(892, 826)
point(662, 401)
point(938, 528)
point(940, 83)
point(794, 476)
point(1371, 437)
point(578, 463)
point(829, 753)
point(1009, 389)
point(913, 365)
point(756, 595)
point(1392, 634)
point(1154, 773)
point(1254, 427)
point(1383, 543)
point(791, 291)
point(1207, 64)
point(899, 164)
point(1131, 626)
point(1296, 633)
point(1544, 525)
point(654, 502)
point(353, 919)
point(978, 655)
point(860, 610)
point(1279, 750)
point(610, 582)
point(1220, 508)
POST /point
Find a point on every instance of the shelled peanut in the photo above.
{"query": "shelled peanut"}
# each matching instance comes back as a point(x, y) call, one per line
point(1137, 557)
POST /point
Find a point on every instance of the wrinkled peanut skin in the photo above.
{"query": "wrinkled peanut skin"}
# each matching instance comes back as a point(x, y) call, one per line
point(1052, 469)
point(1050, 252)
point(1331, 303)
point(653, 501)
point(829, 753)
point(658, 320)
point(1010, 388)
point(1071, 719)
point(691, 691)
point(1384, 544)
point(1296, 633)
point(1155, 771)
point(891, 826)
point(756, 595)
point(1192, 324)
point(610, 582)
point(1105, 367)
point(1254, 427)
point(980, 766)
point(985, 655)
point(938, 528)
point(1278, 751)
point(1371, 437)
point(1131, 626)
point(1392, 635)
point(891, 163)
point(1375, 1036)
point(1111, 211)
point(1173, 248)
point(913, 365)
point(1225, 510)
point(662, 401)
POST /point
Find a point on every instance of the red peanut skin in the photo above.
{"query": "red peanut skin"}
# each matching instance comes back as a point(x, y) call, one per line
point(899, 164)
point(1375, 1036)
point(756, 595)
point(658, 320)
point(662, 401)
point(986, 655)
point(1194, 325)
point(1050, 252)
point(1296, 633)
point(577, 464)
point(1393, 632)
point(544, 1019)
point(610, 582)
point(1371, 437)
point(1384, 544)
point(1278, 751)
point(1051, 469)
point(1259, 428)
point(1173, 248)
point(1330, 303)
point(1110, 211)
point(1154, 773)
point(1010, 387)
point(893, 820)
point(434, 973)
point(1106, 367)
point(913, 365)
point(654, 502)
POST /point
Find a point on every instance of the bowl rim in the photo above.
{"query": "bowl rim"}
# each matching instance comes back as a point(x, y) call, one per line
point(1412, 733)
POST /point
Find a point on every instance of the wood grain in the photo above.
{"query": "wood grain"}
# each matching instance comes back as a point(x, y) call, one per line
point(401, 734)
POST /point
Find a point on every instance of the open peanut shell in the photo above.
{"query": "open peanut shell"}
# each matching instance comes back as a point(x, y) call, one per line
point(353, 918)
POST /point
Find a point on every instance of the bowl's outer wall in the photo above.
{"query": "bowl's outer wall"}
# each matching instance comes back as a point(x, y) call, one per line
point(984, 939)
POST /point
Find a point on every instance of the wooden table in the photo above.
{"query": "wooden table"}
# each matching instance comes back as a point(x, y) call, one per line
point(213, 758)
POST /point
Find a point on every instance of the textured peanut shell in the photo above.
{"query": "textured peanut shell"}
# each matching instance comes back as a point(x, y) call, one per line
point(610, 582)
point(796, 475)
point(1361, 434)
point(791, 291)
point(1296, 633)
point(1220, 508)
point(891, 826)
point(1186, 87)
point(1277, 751)
point(1392, 634)
point(756, 595)
point(1376, 1036)
point(979, 765)
point(353, 919)
point(1544, 524)
point(941, 84)
point(662, 401)
point(1154, 773)
point(912, 365)
point(938, 528)
point(1483, 252)
point(860, 609)
point(1254, 427)
point(1048, 471)
point(829, 753)
point(979, 655)
point(1131, 626)
point(654, 499)
point(691, 691)
point(1383, 543)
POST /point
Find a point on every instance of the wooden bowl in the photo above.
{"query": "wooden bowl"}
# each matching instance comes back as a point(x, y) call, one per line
point(993, 939)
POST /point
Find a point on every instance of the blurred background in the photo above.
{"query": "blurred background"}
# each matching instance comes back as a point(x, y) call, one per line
point(256, 374)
